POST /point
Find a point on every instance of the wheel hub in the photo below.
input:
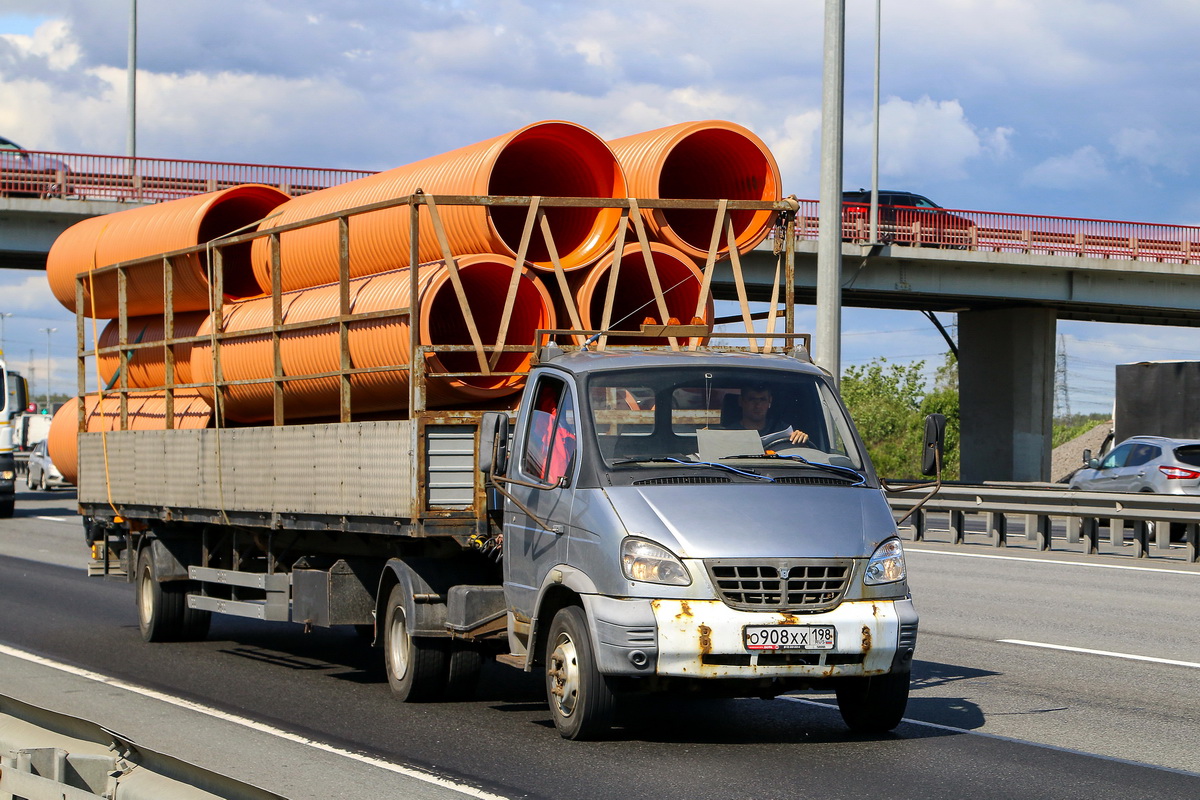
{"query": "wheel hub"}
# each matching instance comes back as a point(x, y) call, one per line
point(398, 645)
point(562, 675)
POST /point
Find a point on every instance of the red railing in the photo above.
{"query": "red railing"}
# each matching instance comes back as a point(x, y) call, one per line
point(1013, 233)
point(92, 177)
point(89, 177)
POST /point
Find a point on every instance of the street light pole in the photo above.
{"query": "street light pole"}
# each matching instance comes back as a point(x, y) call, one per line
point(3, 316)
point(827, 349)
point(48, 331)
point(875, 134)
point(131, 140)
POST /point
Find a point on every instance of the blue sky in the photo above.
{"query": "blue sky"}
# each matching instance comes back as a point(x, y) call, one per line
point(1076, 108)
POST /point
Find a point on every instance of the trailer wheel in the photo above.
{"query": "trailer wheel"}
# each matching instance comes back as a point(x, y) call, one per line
point(163, 613)
point(466, 663)
point(875, 704)
point(417, 666)
point(581, 701)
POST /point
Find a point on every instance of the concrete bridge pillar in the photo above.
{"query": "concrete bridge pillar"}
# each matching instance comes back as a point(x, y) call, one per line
point(1006, 393)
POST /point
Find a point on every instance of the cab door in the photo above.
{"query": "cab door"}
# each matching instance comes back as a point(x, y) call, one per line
point(543, 468)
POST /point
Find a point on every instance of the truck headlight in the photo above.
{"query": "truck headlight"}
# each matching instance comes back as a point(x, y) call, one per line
point(7, 475)
point(651, 563)
point(887, 564)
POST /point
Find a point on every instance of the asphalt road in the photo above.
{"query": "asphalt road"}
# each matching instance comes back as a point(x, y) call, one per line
point(989, 718)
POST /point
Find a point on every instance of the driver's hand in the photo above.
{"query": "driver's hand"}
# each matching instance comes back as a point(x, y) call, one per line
point(798, 437)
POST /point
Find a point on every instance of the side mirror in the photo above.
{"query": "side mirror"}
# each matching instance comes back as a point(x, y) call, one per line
point(493, 443)
point(1087, 456)
point(935, 444)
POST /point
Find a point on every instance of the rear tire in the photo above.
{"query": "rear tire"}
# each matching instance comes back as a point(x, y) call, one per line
point(581, 701)
point(875, 704)
point(163, 613)
point(417, 666)
point(465, 664)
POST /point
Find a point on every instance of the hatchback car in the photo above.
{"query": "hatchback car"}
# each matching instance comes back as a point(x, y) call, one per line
point(42, 474)
point(1143, 464)
point(904, 218)
point(26, 174)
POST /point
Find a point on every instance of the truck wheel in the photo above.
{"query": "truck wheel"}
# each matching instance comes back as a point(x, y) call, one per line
point(466, 663)
point(875, 704)
point(417, 666)
point(7, 506)
point(581, 701)
point(163, 613)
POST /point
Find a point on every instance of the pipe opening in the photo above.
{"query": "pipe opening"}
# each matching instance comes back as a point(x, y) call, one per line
point(229, 213)
point(486, 285)
point(634, 300)
point(558, 160)
point(720, 164)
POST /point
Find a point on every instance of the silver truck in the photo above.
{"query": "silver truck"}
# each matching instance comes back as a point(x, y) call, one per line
point(626, 525)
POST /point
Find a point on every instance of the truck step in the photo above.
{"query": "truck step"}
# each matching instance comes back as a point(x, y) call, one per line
point(511, 659)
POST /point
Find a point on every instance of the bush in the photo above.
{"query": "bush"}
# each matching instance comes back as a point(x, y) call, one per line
point(889, 403)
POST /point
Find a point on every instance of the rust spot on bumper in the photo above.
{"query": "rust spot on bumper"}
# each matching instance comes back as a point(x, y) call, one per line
point(705, 640)
point(866, 640)
point(685, 610)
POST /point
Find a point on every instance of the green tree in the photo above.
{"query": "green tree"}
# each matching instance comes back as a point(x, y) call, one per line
point(889, 403)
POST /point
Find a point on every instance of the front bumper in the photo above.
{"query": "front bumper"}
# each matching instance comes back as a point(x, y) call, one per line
point(704, 639)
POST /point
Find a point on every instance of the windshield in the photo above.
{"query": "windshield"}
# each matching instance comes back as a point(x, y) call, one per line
point(733, 416)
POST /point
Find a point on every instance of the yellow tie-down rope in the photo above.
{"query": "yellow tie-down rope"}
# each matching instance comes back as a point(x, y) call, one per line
point(91, 280)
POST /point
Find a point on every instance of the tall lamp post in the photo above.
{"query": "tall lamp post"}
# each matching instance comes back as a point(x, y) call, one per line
point(49, 332)
point(3, 316)
point(827, 348)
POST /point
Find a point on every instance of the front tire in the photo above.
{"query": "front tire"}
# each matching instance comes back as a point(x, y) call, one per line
point(417, 666)
point(163, 613)
point(875, 704)
point(581, 701)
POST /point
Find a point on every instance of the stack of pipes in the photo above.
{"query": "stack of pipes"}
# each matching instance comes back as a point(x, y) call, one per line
point(501, 302)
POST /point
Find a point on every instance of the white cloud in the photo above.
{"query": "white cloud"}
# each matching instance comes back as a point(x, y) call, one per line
point(1083, 167)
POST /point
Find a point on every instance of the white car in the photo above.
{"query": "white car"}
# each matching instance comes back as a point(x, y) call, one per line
point(42, 474)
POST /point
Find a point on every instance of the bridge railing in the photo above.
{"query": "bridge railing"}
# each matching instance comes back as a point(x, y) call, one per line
point(986, 231)
point(1052, 517)
point(97, 177)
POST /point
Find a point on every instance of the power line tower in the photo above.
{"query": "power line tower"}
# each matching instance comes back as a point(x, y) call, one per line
point(1062, 393)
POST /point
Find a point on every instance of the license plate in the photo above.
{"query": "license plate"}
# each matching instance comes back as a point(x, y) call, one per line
point(789, 637)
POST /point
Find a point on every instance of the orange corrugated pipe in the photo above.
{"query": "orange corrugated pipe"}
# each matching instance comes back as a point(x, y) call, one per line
point(144, 411)
point(551, 159)
point(377, 342)
point(148, 230)
point(634, 301)
point(147, 366)
point(712, 159)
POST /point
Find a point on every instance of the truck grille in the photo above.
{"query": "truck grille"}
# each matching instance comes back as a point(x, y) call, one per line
point(810, 585)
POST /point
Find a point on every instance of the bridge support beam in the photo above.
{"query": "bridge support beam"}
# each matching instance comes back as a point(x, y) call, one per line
point(1006, 393)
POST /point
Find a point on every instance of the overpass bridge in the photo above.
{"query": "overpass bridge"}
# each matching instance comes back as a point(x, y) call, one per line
point(1008, 277)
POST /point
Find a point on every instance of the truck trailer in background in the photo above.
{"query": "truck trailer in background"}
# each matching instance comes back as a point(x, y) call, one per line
point(1157, 398)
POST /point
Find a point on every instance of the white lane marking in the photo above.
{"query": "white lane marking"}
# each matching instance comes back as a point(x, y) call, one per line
point(179, 702)
point(1012, 739)
point(54, 519)
point(1049, 562)
point(1109, 653)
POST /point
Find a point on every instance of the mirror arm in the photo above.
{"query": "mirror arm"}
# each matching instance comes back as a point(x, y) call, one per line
point(936, 484)
point(497, 481)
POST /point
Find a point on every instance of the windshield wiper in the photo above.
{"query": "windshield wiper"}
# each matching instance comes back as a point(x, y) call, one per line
point(860, 479)
point(686, 463)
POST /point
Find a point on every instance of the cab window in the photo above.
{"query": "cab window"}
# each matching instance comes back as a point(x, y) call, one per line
point(551, 436)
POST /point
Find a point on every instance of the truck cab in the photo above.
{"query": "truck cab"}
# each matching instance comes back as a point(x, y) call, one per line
point(661, 527)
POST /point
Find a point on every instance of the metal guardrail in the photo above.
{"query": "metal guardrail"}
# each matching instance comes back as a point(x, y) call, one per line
point(47, 755)
point(99, 177)
point(1150, 519)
